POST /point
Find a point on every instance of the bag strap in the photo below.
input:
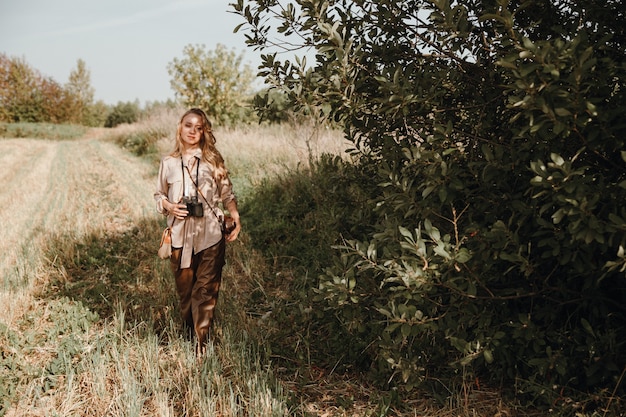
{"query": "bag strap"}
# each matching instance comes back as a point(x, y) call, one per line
point(167, 232)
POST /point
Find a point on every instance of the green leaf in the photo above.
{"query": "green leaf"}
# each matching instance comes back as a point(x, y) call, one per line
point(528, 44)
point(557, 159)
point(525, 54)
point(587, 326)
point(558, 216)
point(427, 191)
point(434, 234)
point(384, 312)
point(406, 233)
point(459, 344)
point(443, 194)
point(462, 256)
point(441, 251)
point(428, 226)
point(371, 251)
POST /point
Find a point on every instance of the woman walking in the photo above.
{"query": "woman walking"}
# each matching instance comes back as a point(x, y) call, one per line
point(192, 183)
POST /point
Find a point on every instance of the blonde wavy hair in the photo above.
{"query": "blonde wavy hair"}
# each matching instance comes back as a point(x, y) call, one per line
point(207, 144)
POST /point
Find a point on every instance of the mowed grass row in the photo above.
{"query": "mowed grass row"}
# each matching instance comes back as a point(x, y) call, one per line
point(25, 168)
point(89, 324)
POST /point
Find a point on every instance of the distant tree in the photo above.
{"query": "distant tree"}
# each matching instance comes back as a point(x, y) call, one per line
point(5, 87)
point(123, 112)
point(96, 114)
point(21, 99)
point(216, 81)
point(80, 93)
point(54, 103)
point(28, 96)
point(154, 107)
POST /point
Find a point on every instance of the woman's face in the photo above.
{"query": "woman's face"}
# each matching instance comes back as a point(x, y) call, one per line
point(191, 130)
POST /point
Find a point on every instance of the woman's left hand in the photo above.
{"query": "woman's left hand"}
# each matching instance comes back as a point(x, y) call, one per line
point(232, 236)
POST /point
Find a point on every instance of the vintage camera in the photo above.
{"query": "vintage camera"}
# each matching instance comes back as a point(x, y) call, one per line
point(194, 207)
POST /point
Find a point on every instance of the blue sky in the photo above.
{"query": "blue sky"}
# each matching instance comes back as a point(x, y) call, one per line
point(126, 44)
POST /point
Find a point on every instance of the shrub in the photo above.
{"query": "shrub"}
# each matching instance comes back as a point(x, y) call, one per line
point(142, 138)
point(494, 130)
point(122, 113)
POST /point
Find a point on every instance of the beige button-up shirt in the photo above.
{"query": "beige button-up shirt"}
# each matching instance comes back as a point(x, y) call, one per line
point(193, 234)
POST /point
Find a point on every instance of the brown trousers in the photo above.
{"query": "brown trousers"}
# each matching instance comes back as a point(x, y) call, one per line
point(198, 288)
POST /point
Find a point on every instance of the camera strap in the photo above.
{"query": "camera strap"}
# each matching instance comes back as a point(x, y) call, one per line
point(195, 184)
point(182, 167)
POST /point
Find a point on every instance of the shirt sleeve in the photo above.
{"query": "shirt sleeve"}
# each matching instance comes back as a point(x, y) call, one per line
point(161, 188)
point(226, 191)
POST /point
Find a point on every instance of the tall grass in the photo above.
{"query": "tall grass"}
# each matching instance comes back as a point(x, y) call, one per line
point(251, 152)
point(255, 153)
point(142, 138)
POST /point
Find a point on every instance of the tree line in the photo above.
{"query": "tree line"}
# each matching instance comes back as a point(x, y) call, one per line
point(26, 95)
point(216, 80)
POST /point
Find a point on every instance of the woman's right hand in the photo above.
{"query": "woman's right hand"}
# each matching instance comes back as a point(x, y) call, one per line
point(177, 210)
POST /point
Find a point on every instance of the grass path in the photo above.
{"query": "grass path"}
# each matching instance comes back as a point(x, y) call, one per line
point(89, 323)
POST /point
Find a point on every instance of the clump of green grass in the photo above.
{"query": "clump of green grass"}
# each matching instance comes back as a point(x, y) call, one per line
point(142, 138)
point(42, 131)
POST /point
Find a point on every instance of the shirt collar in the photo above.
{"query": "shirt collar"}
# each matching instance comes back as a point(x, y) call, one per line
point(197, 154)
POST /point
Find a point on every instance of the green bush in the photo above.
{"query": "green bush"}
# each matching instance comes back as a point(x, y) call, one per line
point(275, 105)
point(494, 131)
point(141, 143)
